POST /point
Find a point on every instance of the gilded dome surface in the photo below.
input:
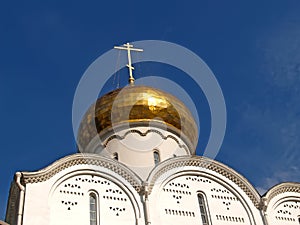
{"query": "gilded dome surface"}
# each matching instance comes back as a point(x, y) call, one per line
point(136, 105)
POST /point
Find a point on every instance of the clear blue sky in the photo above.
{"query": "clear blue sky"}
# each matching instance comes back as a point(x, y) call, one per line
point(252, 47)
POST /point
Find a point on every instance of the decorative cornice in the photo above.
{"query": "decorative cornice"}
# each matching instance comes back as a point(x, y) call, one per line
point(281, 188)
point(162, 168)
point(83, 159)
point(202, 162)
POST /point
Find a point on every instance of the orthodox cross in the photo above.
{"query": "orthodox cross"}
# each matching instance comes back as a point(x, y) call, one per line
point(129, 48)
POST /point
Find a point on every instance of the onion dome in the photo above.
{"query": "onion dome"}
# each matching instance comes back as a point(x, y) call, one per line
point(137, 106)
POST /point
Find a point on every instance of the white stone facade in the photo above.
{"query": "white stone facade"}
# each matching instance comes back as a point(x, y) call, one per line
point(282, 204)
point(59, 194)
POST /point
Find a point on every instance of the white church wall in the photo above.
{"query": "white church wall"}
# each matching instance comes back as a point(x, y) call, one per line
point(64, 198)
point(71, 199)
point(60, 194)
point(175, 199)
point(283, 204)
point(36, 207)
point(135, 148)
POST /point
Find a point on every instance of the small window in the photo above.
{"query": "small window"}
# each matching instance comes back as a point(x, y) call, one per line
point(156, 157)
point(93, 209)
point(203, 209)
point(299, 219)
point(116, 156)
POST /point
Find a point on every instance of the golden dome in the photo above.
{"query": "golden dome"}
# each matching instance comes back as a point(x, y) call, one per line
point(136, 105)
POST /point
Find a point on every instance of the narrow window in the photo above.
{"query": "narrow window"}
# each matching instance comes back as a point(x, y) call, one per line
point(156, 157)
point(93, 209)
point(203, 209)
point(116, 156)
point(299, 219)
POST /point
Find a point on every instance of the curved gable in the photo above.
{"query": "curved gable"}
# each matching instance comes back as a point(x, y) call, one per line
point(282, 204)
point(82, 159)
point(209, 165)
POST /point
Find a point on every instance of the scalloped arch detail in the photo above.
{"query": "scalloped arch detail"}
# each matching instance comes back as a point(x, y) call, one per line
point(144, 134)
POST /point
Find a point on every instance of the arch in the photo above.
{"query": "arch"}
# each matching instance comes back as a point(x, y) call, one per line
point(183, 186)
point(205, 164)
point(156, 157)
point(86, 159)
point(88, 191)
point(281, 189)
point(94, 208)
point(203, 206)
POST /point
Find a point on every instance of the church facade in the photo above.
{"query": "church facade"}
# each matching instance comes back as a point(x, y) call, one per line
point(136, 165)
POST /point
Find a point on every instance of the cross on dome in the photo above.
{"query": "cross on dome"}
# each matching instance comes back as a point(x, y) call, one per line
point(129, 48)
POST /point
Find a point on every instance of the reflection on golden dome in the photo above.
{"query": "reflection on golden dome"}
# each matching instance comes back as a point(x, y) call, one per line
point(137, 105)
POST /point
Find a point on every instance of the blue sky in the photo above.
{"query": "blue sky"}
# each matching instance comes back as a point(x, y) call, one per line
point(253, 48)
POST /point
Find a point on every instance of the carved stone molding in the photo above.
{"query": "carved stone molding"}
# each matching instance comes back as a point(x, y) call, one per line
point(202, 162)
point(82, 159)
point(282, 188)
point(164, 167)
